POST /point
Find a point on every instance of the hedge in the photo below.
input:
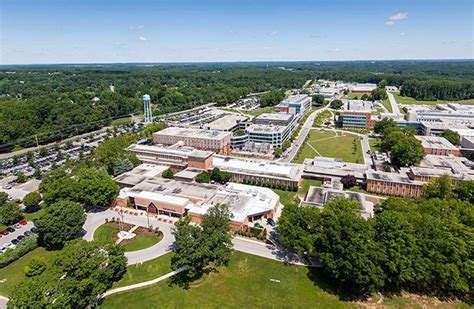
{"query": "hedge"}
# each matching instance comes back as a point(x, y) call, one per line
point(23, 247)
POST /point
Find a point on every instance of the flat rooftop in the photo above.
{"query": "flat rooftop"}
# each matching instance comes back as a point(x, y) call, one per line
point(460, 164)
point(274, 117)
point(392, 177)
point(265, 128)
point(183, 152)
point(436, 142)
point(295, 99)
point(225, 123)
point(266, 168)
point(358, 105)
point(140, 174)
point(193, 133)
point(443, 125)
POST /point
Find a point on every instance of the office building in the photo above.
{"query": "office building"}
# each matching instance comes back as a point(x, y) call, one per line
point(436, 145)
point(393, 184)
point(211, 140)
point(229, 123)
point(360, 120)
point(363, 88)
point(295, 104)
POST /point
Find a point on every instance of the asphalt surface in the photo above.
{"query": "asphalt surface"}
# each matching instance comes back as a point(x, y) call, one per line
point(289, 156)
point(5, 239)
point(19, 191)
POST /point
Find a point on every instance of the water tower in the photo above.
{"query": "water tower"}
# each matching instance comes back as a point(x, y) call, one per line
point(148, 117)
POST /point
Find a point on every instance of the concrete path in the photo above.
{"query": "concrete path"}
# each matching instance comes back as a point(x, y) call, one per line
point(141, 284)
point(393, 103)
point(3, 302)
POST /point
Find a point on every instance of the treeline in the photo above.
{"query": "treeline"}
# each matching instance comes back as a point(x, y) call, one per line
point(55, 102)
point(437, 90)
point(419, 245)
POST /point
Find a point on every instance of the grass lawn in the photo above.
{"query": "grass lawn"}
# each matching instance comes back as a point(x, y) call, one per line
point(387, 105)
point(121, 121)
point(33, 215)
point(408, 100)
point(286, 197)
point(327, 144)
point(143, 239)
point(374, 144)
point(14, 272)
point(146, 271)
point(306, 183)
point(246, 282)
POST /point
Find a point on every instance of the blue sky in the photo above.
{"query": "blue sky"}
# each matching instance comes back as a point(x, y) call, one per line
point(89, 31)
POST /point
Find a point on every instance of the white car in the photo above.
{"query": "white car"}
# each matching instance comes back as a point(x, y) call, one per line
point(11, 246)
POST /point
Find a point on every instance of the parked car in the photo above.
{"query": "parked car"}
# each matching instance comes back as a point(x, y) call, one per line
point(4, 232)
point(15, 241)
point(11, 246)
point(10, 229)
point(23, 222)
point(271, 222)
point(20, 237)
point(17, 226)
point(28, 233)
point(33, 229)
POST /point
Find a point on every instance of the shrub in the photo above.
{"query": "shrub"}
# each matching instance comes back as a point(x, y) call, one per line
point(24, 246)
point(35, 267)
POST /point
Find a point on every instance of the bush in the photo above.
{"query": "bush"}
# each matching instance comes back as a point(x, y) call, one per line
point(35, 267)
point(24, 246)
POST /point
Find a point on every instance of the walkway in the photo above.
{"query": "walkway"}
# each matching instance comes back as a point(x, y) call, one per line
point(393, 103)
point(141, 284)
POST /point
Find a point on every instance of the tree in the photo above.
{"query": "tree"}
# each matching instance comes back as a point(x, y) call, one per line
point(37, 174)
point(3, 198)
point(10, 213)
point(407, 151)
point(277, 151)
point(32, 201)
point(336, 104)
point(58, 185)
point(95, 187)
point(465, 191)
point(298, 228)
point(347, 249)
point(218, 176)
point(348, 181)
point(36, 266)
point(439, 187)
point(271, 98)
point(43, 151)
point(168, 174)
point(148, 131)
point(364, 97)
point(379, 94)
point(286, 144)
point(79, 273)
point(318, 99)
point(386, 126)
point(121, 166)
point(59, 223)
point(452, 136)
point(190, 253)
point(203, 177)
point(382, 84)
point(216, 233)
point(21, 177)
point(114, 149)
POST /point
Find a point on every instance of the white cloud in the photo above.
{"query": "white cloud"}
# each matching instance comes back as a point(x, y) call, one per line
point(396, 18)
point(273, 33)
point(335, 50)
point(142, 38)
point(403, 34)
point(136, 27)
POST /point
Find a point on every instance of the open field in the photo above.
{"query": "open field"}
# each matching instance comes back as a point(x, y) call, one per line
point(14, 272)
point(408, 100)
point(306, 183)
point(248, 281)
point(326, 144)
point(143, 239)
point(374, 144)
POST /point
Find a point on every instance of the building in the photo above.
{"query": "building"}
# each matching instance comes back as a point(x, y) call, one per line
point(363, 88)
point(358, 106)
point(229, 123)
point(211, 140)
point(158, 196)
point(360, 120)
point(393, 184)
point(263, 172)
point(436, 145)
point(317, 197)
point(328, 168)
point(467, 142)
point(278, 119)
point(271, 134)
point(176, 157)
point(295, 104)
point(436, 128)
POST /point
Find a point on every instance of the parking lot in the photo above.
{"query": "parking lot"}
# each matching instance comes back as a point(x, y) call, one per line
point(6, 240)
point(19, 191)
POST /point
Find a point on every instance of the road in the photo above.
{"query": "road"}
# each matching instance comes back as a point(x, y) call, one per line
point(393, 103)
point(21, 190)
point(290, 155)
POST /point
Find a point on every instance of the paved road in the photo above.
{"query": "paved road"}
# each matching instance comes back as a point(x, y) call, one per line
point(8, 238)
point(393, 103)
point(97, 218)
point(289, 156)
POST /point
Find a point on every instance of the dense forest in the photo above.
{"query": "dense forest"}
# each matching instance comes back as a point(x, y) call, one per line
point(57, 101)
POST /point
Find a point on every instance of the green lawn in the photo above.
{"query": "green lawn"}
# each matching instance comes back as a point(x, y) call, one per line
point(107, 233)
point(121, 121)
point(33, 215)
point(374, 144)
point(286, 197)
point(322, 116)
point(325, 143)
point(248, 281)
point(14, 272)
point(306, 183)
point(146, 271)
point(408, 100)
point(387, 105)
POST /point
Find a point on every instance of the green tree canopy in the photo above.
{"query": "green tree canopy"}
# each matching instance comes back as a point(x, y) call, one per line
point(452, 136)
point(406, 151)
point(32, 201)
point(271, 98)
point(3, 198)
point(10, 213)
point(95, 187)
point(440, 187)
point(336, 104)
point(59, 223)
point(203, 177)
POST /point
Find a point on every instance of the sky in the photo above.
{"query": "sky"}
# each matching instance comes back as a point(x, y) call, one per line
point(99, 31)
